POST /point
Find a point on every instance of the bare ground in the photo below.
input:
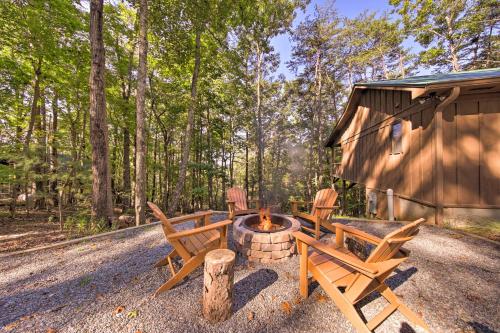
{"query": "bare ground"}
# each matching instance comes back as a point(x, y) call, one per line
point(26, 231)
point(452, 280)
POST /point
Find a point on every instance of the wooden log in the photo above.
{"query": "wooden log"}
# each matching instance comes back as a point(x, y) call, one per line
point(218, 285)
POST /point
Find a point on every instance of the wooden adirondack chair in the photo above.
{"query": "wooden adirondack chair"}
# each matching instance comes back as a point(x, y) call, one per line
point(190, 245)
point(323, 205)
point(335, 267)
point(237, 203)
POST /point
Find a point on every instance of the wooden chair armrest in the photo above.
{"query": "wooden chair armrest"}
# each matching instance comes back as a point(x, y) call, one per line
point(307, 216)
point(190, 217)
point(300, 202)
point(326, 207)
point(195, 231)
point(362, 267)
point(358, 233)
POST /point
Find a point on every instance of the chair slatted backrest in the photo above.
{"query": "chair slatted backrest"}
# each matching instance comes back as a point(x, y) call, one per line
point(361, 285)
point(167, 227)
point(391, 243)
point(239, 197)
point(324, 198)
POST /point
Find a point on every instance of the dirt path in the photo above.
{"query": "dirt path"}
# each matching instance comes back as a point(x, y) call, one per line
point(451, 279)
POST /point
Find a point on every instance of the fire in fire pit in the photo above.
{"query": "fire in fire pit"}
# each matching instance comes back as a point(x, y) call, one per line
point(265, 219)
point(266, 222)
point(267, 246)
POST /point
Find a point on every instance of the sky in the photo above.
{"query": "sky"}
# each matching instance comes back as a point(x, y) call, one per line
point(349, 8)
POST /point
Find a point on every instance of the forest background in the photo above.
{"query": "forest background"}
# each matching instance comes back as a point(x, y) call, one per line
point(181, 100)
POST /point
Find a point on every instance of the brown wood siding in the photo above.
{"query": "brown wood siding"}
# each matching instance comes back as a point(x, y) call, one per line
point(427, 147)
point(490, 151)
point(471, 154)
point(450, 154)
point(366, 146)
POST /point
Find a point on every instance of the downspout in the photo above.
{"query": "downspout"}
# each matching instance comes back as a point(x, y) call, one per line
point(439, 189)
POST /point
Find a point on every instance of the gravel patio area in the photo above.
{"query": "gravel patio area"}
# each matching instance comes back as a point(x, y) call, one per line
point(452, 280)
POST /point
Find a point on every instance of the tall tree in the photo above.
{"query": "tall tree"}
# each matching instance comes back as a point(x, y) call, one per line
point(314, 54)
point(447, 29)
point(268, 19)
point(141, 151)
point(102, 206)
point(189, 126)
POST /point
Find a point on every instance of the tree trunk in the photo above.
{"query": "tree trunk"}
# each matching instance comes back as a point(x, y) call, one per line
point(166, 179)
point(223, 180)
point(39, 165)
point(218, 285)
point(155, 157)
point(140, 162)
point(319, 116)
point(231, 153)
point(210, 173)
point(259, 130)
point(246, 164)
point(35, 108)
point(189, 128)
point(126, 167)
point(54, 152)
point(452, 45)
point(102, 207)
point(401, 66)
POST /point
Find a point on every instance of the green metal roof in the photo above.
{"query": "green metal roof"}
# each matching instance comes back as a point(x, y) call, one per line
point(427, 80)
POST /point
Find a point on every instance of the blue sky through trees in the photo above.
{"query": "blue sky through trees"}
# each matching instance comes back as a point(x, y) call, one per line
point(349, 8)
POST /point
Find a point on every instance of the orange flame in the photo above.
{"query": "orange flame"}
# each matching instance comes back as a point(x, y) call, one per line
point(265, 219)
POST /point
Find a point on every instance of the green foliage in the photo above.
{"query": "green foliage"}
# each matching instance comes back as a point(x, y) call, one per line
point(456, 34)
point(84, 281)
point(44, 45)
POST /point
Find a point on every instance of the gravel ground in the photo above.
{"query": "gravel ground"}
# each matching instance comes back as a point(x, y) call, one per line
point(450, 279)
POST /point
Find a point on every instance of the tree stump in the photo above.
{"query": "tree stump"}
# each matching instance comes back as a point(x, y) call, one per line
point(218, 285)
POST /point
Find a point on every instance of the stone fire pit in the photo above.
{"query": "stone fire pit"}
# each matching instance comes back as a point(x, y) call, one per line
point(265, 246)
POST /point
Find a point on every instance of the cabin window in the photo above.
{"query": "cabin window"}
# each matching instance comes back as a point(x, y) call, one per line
point(396, 138)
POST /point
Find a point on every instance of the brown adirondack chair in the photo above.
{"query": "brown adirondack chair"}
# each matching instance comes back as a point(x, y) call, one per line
point(323, 205)
point(335, 267)
point(237, 203)
point(189, 245)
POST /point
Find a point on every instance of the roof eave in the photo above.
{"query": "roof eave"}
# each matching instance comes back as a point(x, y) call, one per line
point(416, 91)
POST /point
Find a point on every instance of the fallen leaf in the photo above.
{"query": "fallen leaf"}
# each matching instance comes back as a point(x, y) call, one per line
point(321, 298)
point(250, 316)
point(118, 310)
point(132, 314)
point(11, 326)
point(273, 298)
point(138, 331)
point(99, 297)
point(51, 330)
point(286, 307)
point(14, 324)
point(297, 299)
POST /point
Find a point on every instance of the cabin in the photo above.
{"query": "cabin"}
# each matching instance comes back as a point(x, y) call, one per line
point(433, 140)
